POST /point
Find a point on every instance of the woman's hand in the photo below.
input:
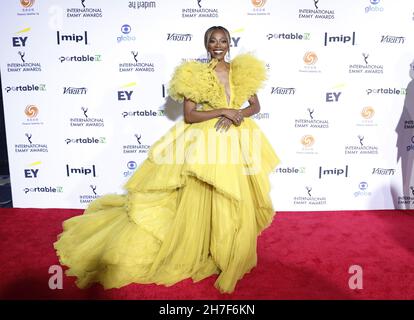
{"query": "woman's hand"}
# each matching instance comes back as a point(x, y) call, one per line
point(223, 123)
point(234, 115)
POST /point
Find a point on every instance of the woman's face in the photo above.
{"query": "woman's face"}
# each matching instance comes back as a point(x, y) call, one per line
point(218, 45)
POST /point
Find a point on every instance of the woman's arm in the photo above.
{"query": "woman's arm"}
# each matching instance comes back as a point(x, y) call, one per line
point(253, 108)
point(192, 115)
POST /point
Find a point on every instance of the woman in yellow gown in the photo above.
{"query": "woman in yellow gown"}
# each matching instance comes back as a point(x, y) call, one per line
point(196, 205)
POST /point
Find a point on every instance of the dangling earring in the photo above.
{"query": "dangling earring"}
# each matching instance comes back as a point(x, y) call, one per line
point(227, 56)
point(208, 56)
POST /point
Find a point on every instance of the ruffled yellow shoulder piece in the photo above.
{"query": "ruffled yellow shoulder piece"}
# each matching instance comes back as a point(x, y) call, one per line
point(248, 76)
point(192, 80)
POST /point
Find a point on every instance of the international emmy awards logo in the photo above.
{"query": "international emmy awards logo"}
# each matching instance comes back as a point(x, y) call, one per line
point(309, 189)
point(361, 139)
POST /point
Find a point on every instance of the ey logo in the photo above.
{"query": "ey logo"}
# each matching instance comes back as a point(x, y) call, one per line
point(333, 96)
point(124, 95)
point(32, 173)
point(234, 41)
point(20, 41)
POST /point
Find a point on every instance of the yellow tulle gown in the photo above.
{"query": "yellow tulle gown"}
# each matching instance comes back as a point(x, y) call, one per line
point(194, 207)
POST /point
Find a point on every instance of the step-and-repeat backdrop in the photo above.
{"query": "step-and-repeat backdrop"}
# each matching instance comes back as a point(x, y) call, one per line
point(85, 94)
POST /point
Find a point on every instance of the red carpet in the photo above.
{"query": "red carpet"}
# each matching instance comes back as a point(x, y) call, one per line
point(301, 256)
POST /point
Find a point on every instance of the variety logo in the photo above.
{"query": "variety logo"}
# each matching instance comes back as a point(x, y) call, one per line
point(333, 172)
point(88, 140)
point(339, 39)
point(289, 36)
point(179, 36)
point(290, 170)
point(333, 96)
point(124, 95)
point(84, 12)
point(30, 146)
point(81, 171)
point(388, 90)
point(199, 11)
point(31, 112)
point(86, 121)
point(363, 186)
point(27, 8)
point(366, 67)
point(20, 41)
point(383, 171)
point(316, 12)
point(126, 30)
point(88, 198)
point(308, 199)
point(137, 66)
point(131, 165)
point(43, 190)
point(142, 5)
point(32, 173)
point(75, 90)
point(258, 8)
point(24, 66)
point(138, 147)
point(362, 148)
point(374, 7)
point(26, 88)
point(311, 122)
point(392, 39)
point(310, 59)
point(82, 58)
point(72, 37)
point(283, 91)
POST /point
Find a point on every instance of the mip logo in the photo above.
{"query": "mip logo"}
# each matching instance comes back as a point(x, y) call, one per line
point(72, 37)
point(363, 185)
